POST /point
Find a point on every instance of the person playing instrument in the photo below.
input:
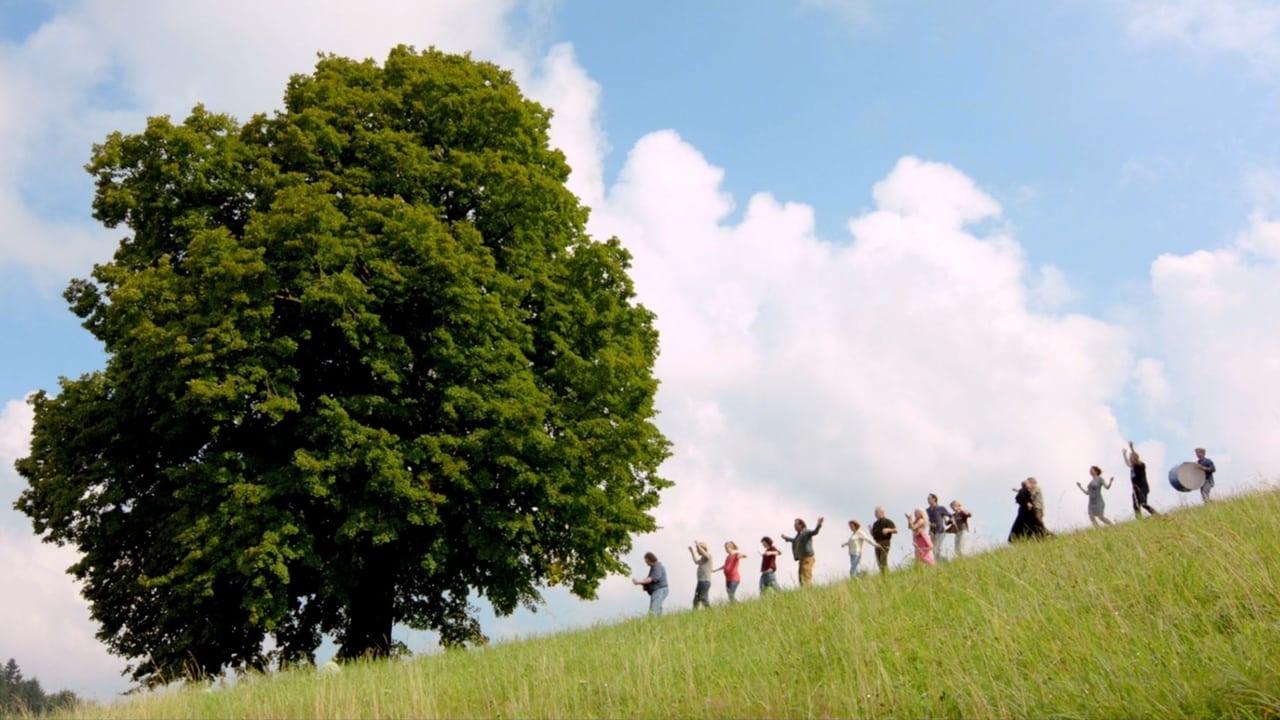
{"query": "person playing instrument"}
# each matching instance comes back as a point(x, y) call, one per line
point(655, 584)
point(1209, 469)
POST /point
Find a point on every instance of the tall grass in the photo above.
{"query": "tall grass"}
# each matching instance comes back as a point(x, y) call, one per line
point(1175, 616)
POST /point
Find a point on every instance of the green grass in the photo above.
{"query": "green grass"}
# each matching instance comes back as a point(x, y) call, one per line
point(1176, 616)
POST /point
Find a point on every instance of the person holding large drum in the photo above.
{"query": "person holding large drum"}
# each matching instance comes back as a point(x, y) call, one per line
point(1209, 469)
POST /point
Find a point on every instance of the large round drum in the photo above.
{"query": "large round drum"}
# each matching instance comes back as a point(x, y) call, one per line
point(1186, 477)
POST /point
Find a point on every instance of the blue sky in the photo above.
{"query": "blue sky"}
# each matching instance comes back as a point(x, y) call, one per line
point(894, 248)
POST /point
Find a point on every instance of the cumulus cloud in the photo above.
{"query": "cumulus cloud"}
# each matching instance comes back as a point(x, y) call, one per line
point(98, 67)
point(1215, 310)
point(806, 378)
point(49, 631)
point(801, 377)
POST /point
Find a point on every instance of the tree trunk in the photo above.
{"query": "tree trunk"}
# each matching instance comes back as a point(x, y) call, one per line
point(368, 631)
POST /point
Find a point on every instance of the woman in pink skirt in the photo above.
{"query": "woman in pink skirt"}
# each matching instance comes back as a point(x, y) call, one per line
point(920, 536)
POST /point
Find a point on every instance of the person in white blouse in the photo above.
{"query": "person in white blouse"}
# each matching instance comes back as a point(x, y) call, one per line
point(858, 539)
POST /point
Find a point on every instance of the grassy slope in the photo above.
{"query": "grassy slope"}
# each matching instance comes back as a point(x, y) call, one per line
point(1177, 616)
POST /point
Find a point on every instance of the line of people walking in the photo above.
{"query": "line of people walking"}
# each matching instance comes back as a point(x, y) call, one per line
point(929, 527)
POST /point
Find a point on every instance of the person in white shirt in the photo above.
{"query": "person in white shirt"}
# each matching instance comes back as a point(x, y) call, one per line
point(858, 539)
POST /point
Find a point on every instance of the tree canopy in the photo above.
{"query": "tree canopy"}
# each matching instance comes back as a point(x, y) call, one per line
point(363, 359)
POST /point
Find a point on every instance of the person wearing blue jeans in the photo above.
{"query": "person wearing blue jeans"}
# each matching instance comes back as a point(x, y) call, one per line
point(655, 583)
point(858, 540)
point(701, 558)
point(768, 565)
point(1207, 465)
point(938, 517)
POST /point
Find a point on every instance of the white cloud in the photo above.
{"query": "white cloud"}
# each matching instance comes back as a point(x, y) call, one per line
point(1051, 290)
point(800, 377)
point(49, 632)
point(562, 84)
point(803, 378)
point(1215, 313)
point(98, 67)
point(1248, 28)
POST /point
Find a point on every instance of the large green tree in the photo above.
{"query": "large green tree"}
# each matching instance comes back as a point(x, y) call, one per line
point(362, 361)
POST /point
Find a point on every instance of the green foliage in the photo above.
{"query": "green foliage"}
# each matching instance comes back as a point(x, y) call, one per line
point(1172, 616)
point(363, 360)
point(22, 697)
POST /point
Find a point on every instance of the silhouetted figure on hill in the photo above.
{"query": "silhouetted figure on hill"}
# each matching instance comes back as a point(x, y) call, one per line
point(1028, 522)
point(1138, 479)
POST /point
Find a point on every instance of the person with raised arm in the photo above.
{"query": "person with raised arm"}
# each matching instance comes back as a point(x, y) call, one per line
point(919, 525)
point(959, 525)
point(701, 558)
point(939, 516)
point(1097, 504)
point(1138, 479)
point(802, 549)
point(858, 540)
point(732, 576)
point(768, 565)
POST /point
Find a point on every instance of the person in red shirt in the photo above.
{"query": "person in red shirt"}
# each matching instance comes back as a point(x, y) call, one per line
point(768, 565)
point(732, 576)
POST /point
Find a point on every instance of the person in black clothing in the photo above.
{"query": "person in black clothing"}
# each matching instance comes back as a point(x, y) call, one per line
point(1027, 523)
point(1138, 478)
point(882, 531)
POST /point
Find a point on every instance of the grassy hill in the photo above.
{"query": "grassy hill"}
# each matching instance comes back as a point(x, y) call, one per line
point(1175, 616)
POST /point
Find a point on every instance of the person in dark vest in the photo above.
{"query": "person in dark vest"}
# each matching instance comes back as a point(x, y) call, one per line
point(802, 549)
point(1138, 479)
